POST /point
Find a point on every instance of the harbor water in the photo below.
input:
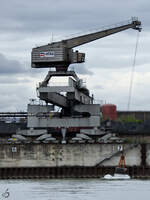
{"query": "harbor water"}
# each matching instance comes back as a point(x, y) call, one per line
point(75, 189)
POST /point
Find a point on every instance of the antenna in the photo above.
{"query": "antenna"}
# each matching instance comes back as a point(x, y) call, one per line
point(52, 38)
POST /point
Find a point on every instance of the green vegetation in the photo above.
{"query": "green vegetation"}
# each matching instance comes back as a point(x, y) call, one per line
point(129, 118)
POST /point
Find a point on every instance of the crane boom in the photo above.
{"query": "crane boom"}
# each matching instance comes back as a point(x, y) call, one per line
point(77, 41)
point(60, 54)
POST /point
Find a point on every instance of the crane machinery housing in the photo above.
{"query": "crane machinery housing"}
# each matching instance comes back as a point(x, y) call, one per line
point(77, 107)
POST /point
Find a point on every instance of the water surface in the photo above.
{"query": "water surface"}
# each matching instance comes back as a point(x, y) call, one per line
point(76, 189)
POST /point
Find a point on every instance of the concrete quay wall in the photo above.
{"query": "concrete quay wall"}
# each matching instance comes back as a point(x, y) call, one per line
point(82, 155)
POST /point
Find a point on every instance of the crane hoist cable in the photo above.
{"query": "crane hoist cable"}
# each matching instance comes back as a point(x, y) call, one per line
point(132, 72)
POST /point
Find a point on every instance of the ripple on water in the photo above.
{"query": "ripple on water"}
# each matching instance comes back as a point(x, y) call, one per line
point(76, 189)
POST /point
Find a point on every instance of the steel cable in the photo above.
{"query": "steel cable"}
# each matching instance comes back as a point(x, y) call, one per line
point(132, 73)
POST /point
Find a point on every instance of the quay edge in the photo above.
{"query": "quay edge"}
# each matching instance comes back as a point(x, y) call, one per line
point(71, 161)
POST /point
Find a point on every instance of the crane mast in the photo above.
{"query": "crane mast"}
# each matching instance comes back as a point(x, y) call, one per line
point(60, 54)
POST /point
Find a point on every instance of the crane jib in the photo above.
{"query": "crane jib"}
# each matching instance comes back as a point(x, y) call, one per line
point(60, 54)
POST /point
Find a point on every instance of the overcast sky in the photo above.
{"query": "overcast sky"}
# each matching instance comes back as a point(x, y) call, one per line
point(109, 61)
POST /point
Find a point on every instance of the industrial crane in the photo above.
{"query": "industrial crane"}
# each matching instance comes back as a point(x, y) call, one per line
point(60, 54)
point(77, 107)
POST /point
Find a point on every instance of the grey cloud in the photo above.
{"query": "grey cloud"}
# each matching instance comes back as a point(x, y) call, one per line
point(25, 23)
point(117, 51)
point(10, 66)
point(81, 69)
point(97, 87)
point(13, 67)
point(15, 97)
point(36, 16)
point(13, 80)
point(119, 62)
